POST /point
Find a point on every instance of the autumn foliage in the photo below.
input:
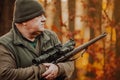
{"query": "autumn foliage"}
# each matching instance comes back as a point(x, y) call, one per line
point(101, 61)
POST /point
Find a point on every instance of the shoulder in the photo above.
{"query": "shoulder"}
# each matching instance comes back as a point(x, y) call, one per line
point(6, 38)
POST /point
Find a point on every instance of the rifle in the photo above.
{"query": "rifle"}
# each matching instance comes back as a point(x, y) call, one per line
point(61, 53)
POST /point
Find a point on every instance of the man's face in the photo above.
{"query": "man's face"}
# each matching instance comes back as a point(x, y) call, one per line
point(36, 25)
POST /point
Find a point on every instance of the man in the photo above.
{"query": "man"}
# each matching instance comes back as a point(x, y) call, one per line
point(27, 40)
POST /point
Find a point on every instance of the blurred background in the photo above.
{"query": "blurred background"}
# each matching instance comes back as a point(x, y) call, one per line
point(82, 20)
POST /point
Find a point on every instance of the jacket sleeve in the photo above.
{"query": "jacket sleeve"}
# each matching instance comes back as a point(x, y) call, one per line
point(9, 71)
point(66, 69)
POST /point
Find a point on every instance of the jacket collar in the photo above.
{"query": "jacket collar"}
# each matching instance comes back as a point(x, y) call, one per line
point(17, 37)
point(44, 37)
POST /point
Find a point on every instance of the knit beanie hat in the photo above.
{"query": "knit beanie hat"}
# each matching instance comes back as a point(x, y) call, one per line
point(25, 10)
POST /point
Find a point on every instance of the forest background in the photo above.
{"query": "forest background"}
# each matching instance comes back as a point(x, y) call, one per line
point(82, 20)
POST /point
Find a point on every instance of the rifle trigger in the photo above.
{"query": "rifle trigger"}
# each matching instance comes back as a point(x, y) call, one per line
point(83, 51)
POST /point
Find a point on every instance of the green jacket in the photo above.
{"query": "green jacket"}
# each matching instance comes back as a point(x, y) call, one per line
point(16, 56)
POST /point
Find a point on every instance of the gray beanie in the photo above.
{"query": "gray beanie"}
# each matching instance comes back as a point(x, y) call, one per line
point(25, 10)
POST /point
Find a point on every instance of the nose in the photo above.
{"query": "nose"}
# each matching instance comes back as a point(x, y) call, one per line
point(43, 18)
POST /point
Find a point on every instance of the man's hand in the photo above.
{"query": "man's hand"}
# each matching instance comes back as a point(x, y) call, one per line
point(51, 71)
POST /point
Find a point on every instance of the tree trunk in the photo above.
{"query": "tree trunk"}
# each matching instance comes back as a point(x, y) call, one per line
point(57, 19)
point(94, 11)
point(71, 8)
point(94, 22)
point(6, 15)
point(116, 17)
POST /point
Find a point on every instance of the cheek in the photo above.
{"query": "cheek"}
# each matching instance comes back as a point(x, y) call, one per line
point(31, 28)
point(35, 26)
point(39, 25)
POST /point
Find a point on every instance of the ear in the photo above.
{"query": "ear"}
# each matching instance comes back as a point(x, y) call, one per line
point(24, 23)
